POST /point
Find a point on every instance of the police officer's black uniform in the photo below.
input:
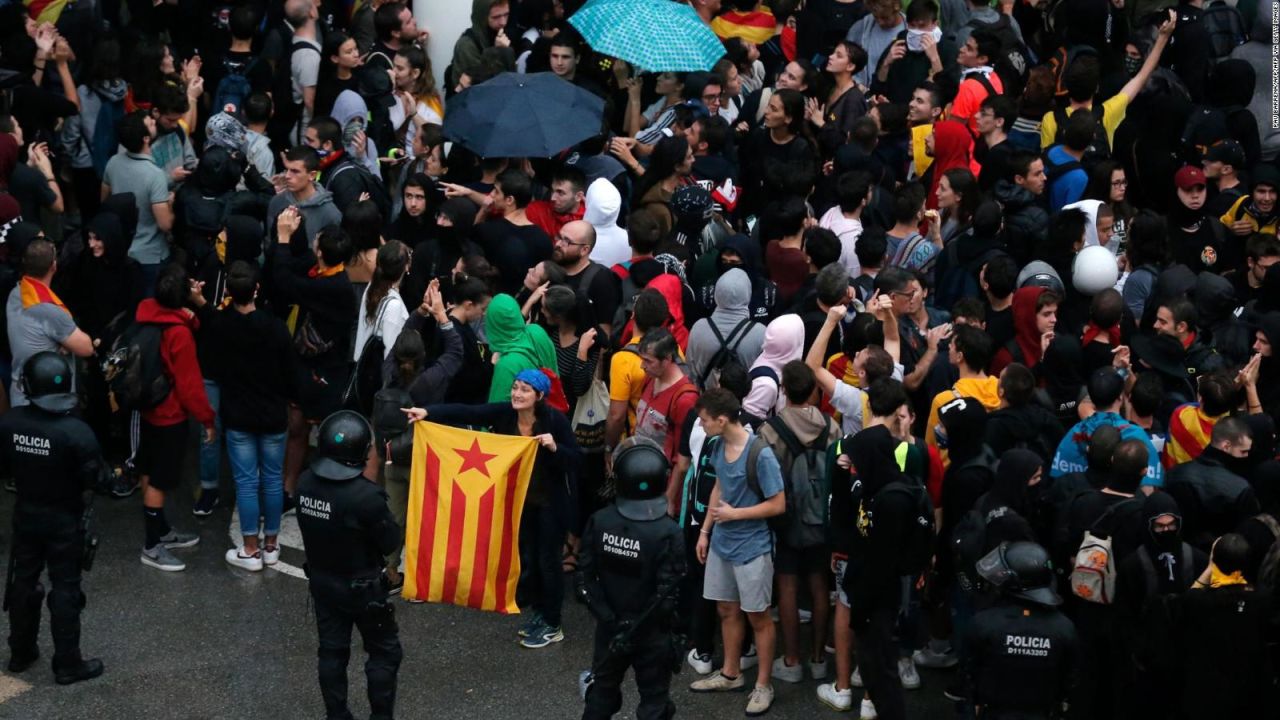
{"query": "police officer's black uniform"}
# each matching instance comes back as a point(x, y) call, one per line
point(55, 462)
point(1022, 653)
point(347, 529)
point(630, 564)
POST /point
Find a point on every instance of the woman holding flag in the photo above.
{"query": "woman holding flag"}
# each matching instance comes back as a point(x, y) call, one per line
point(549, 502)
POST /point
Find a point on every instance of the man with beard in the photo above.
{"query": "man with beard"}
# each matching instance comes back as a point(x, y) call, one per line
point(1214, 498)
point(597, 288)
point(1163, 566)
point(415, 225)
point(568, 193)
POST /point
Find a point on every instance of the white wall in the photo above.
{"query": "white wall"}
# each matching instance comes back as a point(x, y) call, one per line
point(446, 19)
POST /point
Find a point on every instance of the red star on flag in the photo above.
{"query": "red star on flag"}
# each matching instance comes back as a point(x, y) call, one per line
point(475, 458)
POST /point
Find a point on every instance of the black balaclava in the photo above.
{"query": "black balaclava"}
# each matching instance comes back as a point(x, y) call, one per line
point(874, 455)
point(1165, 548)
point(1015, 468)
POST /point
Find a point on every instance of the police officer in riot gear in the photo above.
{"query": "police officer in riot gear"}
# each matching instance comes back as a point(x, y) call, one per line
point(630, 564)
point(1022, 653)
point(55, 462)
point(347, 529)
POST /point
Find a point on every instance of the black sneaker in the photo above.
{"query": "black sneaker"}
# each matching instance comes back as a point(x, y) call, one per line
point(85, 670)
point(205, 504)
point(290, 504)
point(126, 484)
point(11, 485)
point(20, 662)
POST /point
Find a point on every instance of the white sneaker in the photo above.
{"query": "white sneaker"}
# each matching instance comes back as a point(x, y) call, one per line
point(749, 659)
point(252, 563)
point(760, 701)
point(270, 556)
point(868, 710)
point(818, 670)
point(856, 678)
point(787, 673)
point(701, 664)
point(907, 674)
point(838, 700)
point(927, 657)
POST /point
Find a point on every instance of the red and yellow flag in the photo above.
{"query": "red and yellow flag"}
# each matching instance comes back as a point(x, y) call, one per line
point(466, 492)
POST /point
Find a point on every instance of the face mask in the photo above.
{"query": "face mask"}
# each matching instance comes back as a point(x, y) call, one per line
point(914, 36)
point(1132, 65)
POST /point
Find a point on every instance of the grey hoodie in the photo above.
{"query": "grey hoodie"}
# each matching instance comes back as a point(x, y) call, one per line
point(1257, 52)
point(348, 107)
point(77, 132)
point(318, 212)
point(732, 294)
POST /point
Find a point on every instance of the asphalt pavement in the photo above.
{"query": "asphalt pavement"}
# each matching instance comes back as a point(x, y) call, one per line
point(217, 642)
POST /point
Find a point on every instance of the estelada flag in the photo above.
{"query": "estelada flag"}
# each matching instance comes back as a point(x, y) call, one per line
point(466, 492)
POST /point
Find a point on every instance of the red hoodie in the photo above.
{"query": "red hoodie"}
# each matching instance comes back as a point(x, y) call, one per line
point(178, 353)
point(673, 291)
point(1024, 330)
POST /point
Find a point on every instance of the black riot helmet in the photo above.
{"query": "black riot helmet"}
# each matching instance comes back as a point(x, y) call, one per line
point(343, 446)
point(46, 380)
point(1021, 569)
point(641, 472)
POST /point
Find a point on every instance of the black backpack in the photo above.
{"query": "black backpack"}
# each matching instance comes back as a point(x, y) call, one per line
point(698, 483)
point(915, 550)
point(372, 184)
point(960, 280)
point(285, 112)
point(1099, 149)
point(134, 371)
point(1205, 126)
point(366, 376)
point(391, 429)
point(727, 354)
point(805, 481)
point(1225, 28)
point(1012, 62)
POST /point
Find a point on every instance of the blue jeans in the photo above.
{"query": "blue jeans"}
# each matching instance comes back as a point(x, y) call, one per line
point(211, 453)
point(257, 462)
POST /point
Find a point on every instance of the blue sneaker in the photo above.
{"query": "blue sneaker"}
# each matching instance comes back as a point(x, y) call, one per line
point(530, 625)
point(543, 636)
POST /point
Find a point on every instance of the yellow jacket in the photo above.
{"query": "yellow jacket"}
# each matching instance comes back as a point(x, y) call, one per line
point(985, 390)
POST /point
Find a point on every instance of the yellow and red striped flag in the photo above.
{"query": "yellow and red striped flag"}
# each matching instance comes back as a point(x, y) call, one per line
point(466, 492)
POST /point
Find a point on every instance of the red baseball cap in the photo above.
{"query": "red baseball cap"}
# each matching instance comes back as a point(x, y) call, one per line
point(1188, 177)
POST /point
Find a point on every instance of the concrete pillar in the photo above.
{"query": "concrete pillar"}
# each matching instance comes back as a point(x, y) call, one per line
point(446, 19)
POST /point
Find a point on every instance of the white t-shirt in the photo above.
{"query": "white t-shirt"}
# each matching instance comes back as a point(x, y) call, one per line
point(394, 315)
point(848, 231)
point(847, 399)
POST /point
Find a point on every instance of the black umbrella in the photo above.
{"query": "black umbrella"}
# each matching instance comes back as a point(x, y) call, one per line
point(516, 115)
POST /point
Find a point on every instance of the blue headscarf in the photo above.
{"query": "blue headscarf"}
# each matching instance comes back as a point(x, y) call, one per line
point(535, 379)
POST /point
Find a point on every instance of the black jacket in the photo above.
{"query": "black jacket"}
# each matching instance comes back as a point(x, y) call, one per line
point(1021, 657)
point(624, 566)
point(1031, 426)
point(346, 526)
point(1026, 222)
point(1213, 499)
point(329, 301)
point(52, 458)
point(1221, 636)
point(259, 368)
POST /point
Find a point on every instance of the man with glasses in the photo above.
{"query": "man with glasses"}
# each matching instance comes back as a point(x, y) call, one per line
point(701, 90)
point(599, 291)
point(995, 116)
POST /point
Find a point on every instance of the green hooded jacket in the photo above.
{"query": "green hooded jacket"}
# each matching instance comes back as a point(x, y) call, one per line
point(520, 346)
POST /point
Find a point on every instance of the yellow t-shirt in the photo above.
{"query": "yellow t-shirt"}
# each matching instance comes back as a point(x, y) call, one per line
point(1113, 111)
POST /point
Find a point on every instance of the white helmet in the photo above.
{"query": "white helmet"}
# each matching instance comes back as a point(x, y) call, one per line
point(1094, 270)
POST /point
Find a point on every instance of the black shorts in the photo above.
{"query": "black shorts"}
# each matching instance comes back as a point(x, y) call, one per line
point(162, 452)
point(807, 561)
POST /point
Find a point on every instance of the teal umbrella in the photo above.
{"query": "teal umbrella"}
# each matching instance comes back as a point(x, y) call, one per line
point(656, 35)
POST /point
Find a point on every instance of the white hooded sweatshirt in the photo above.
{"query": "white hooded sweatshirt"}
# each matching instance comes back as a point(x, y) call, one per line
point(603, 204)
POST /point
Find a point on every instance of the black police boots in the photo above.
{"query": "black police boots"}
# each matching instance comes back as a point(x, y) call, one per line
point(84, 670)
point(19, 662)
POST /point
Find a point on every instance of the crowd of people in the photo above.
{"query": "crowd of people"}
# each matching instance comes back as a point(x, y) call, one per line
point(980, 298)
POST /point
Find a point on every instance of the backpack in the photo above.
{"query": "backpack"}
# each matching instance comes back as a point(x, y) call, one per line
point(1012, 62)
point(286, 113)
point(915, 551)
point(234, 86)
point(649, 430)
point(726, 355)
point(777, 523)
point(805, 483)
point(366, 377)
point(134, 371)
point(1093, 575)
point(1205, 126)
point(1062, 59)
point(764, 371)
point(105, 141)
point(1225, 27)
point(1099, 149)
point(391, 435)
point(1053, 171)
point(698, 483)
point(371, 184)
point(960, 279)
